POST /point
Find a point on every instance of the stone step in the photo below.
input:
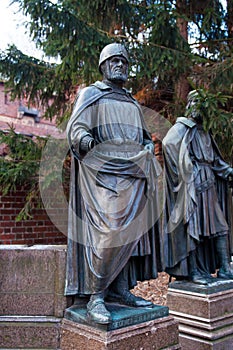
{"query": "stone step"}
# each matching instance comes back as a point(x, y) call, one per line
point(29, 332)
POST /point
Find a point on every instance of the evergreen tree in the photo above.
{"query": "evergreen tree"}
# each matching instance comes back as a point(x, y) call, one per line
point(174, 46)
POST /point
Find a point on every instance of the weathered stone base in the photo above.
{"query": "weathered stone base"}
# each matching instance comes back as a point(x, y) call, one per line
point(32, 301)
point(32, 280)
point(205, 314)
point(29, 332)
point(158, 334)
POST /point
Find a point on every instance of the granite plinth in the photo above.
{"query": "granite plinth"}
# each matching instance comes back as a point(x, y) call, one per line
point(218, 285)
point(32, 280)
point(122, 316)
point(161, 333)
point(32, 300)
point(30, 332)
point(205, 314)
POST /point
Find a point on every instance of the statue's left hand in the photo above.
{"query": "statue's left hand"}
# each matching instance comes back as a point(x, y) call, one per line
point(149, 147)
point(231, 173)
point(230, 178)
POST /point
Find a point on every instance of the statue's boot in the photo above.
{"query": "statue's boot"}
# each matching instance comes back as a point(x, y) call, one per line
point(221, 245)
point(125, 297)
point(96, 309)
point(119, 292)
point(194, 275)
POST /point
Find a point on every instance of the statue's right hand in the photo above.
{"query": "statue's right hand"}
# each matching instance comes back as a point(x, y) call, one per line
point(87, 143)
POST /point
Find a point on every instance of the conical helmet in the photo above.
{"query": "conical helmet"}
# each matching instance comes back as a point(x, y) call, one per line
point(111, 50)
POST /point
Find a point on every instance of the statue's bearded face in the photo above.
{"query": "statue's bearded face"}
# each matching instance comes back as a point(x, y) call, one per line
point(115, 69)
point(195, 113)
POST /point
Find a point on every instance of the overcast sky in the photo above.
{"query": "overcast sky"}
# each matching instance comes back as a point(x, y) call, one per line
point(13, 30)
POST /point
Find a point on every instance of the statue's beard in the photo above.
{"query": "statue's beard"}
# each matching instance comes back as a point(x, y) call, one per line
point(114, 76)
point(197, 118)
point(118, 77)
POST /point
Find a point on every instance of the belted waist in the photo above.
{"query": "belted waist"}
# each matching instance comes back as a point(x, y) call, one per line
point(204, 163)
point(205, 185)
point(125, 147)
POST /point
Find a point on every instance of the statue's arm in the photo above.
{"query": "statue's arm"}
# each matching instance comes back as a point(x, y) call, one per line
point(220, 167)
point(81, 137)
point(80, 125)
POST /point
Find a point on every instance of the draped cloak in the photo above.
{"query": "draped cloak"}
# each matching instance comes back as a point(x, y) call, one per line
point(196, 205)
point(113, 205)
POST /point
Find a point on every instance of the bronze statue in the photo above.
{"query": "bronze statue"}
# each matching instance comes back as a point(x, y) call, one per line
point(113, 234)
point(196, 231)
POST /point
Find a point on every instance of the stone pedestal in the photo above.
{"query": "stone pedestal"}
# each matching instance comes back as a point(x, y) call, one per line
point(131, 328)
point(32, 301)
point(205, 314)
point(29, 332)
point(32, 280)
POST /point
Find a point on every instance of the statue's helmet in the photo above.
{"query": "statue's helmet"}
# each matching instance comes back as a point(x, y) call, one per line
point(193, 95)
point(112, 50)
point(192, 98)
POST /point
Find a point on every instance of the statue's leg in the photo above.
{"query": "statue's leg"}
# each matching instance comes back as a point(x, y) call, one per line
point(96, 309)
point(194, 274)
point(119, 291)
point(221, 244)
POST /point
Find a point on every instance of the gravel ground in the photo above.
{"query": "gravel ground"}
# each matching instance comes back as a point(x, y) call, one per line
point(154, 290)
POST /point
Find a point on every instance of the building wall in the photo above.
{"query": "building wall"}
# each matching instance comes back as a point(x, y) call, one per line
point(36, 230)
point(9, 115)
point(39, 229)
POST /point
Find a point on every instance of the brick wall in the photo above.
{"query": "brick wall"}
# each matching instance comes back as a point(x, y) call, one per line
point(37, 230)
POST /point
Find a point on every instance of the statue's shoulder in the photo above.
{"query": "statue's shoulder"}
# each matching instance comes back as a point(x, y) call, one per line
point(178, 130)
point(91, 93)
point(94, 89)
point(186, 122)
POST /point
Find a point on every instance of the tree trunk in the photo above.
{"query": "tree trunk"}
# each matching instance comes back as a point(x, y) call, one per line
point(182, 85)
point(230, 20)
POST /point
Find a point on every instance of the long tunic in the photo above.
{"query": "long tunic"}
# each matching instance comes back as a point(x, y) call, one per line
point(113, 204)
point(195, 197)
point(207, 162)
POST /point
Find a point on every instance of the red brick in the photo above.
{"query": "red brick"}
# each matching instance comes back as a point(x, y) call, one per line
point(48, 223)
point(30, 235)
point(18, 229)
point(8, 211)
point(50, 234)
point(19, 236)
point(40, 217)
point(7, 205)
point(6, 223)
point(17, 205)
point(6, 199)
point(18, 223)
point(29, 223)
point(19, 241)
point(39, 241)
point(6, 217)
point(7, 236)
point(39, 229)
point(7, 230)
